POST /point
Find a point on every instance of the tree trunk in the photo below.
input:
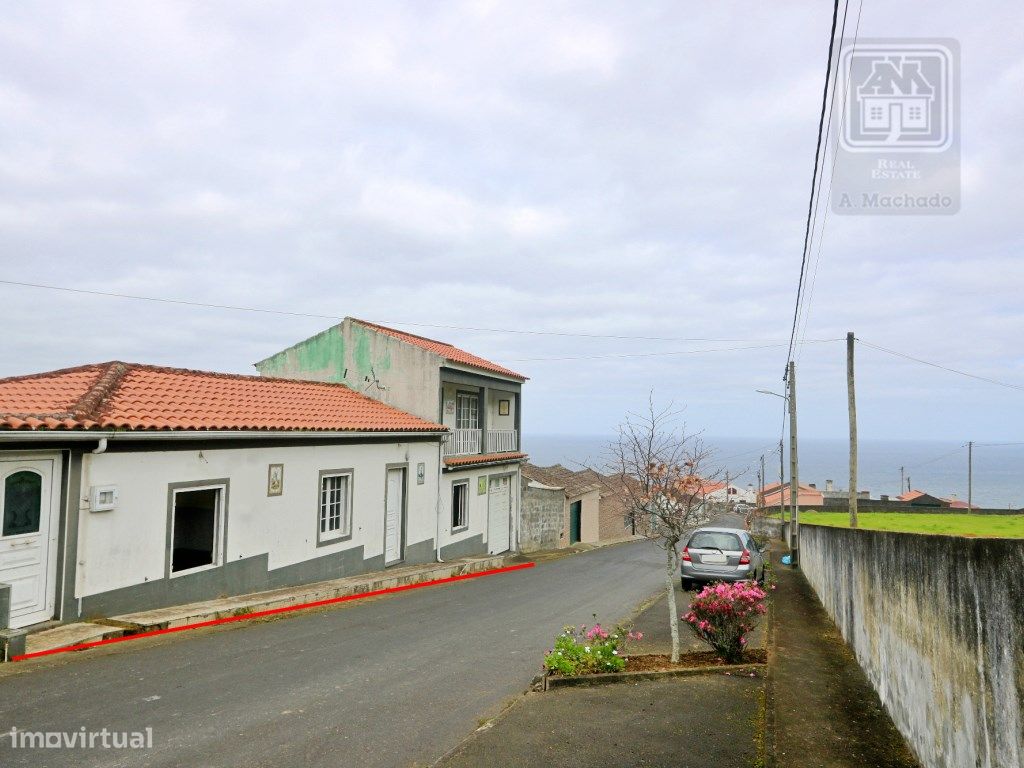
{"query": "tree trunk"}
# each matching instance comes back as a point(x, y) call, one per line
point(673, 613)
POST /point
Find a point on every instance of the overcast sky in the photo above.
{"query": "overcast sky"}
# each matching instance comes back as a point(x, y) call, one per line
point(610, 168)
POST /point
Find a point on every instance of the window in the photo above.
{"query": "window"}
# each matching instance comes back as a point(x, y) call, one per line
point(335, 509)
point(467, 412)
point(459, 493)
point(23, 501)
point(196, 528)
point(726, 542)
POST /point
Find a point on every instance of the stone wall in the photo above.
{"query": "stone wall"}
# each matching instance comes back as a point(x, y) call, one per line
point(937, 623)
point(542, 520)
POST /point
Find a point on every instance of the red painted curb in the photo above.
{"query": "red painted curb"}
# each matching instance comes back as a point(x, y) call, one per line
point(272, 611)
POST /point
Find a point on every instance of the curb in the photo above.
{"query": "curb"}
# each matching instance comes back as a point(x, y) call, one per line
point(626, 677)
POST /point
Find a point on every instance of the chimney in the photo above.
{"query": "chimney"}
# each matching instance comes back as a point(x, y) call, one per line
point(829, 485)
point(885, 497)
point(812, 485)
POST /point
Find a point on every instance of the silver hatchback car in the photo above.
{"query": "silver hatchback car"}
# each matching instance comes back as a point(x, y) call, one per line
point(721, 554)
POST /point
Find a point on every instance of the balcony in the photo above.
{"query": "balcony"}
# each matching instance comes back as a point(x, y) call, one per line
point(463, 442)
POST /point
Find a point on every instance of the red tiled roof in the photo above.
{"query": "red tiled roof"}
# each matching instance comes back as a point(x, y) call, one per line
point(483, 458)
point(118, 395)
point(445, 350)
point(910, 495)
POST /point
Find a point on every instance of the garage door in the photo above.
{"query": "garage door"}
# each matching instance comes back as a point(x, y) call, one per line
point(499, 515)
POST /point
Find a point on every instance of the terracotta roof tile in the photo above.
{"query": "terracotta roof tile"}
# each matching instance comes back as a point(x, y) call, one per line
point(119, 395)
point(445, 350)
point(483, 458)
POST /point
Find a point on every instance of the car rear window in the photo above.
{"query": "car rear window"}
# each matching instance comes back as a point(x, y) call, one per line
point(728, 542)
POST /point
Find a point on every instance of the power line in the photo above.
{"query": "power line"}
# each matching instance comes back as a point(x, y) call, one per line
point(313, 315)
point(941, 367)
point(835, 154)
point(937, 458)
point(661, 354)
point(814, 181)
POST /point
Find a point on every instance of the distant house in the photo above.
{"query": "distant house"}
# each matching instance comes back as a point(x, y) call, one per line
point(561, 507)
point(917, 498)
point(720, 493)
point(807, 496)
point(476, 399)
point(127, 487)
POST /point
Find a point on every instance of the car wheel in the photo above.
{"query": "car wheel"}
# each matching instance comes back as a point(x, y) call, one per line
point(687, 585)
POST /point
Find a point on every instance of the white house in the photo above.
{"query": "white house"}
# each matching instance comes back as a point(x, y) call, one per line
point(476, 399)
point(125, 487)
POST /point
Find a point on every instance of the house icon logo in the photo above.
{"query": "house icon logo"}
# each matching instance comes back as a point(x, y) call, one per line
point(898, 98)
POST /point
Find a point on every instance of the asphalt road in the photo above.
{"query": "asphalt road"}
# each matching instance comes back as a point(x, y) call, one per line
point(390, 682)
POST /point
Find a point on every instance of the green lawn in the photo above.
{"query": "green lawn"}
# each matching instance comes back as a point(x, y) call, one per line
point(990, 526)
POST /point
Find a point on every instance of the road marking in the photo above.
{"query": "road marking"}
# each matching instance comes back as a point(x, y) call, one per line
point(273, 611)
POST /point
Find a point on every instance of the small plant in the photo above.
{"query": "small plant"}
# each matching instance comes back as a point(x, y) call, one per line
point(722, 615)
point(582, 651)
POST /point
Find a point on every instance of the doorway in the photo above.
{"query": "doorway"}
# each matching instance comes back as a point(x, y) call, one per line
point(575, 521)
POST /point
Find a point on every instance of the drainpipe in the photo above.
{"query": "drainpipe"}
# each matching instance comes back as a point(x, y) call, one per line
point(437, 507)
point(101, 447)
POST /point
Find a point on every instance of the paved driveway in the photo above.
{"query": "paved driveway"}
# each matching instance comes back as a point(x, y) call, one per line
point(389, 682)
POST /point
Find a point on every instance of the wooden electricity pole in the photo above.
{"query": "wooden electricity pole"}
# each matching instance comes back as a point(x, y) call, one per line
point(970, 475)
point(794, 473)
point(852, 397)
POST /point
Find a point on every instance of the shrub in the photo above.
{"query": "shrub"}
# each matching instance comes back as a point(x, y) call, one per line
point(582, 651)
point(722, 615)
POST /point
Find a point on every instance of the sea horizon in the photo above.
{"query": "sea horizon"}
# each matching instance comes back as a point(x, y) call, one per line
point(938, 467)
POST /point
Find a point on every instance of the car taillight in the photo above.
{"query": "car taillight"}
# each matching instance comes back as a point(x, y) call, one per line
point(686, 555)
point(745, 558)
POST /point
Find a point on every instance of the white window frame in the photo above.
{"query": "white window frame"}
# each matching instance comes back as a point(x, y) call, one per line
point(465, 503)
point(463, 411)
point(344, 530)
point(218, 528)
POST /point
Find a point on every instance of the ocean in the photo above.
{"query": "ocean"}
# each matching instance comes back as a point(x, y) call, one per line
point(939, 468)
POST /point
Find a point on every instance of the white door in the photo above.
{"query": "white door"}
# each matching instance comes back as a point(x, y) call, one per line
point(499, 515)
point(28, 537)
point(394, 513)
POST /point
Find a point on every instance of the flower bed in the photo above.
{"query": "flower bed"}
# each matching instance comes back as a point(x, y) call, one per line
point(582, 651)
point(722, 615)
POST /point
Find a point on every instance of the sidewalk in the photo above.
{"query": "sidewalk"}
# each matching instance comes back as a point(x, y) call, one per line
point(826, 714)
point(684, 722)
point(128, 624)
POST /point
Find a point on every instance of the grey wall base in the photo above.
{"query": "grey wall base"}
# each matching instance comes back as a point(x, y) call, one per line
point(474, 545)
point(542, 518)
point(241, 577)
point(12, 643)
point(5, 606)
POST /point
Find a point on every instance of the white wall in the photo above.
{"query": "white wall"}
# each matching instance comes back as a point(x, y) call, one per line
point(476, 504)
point(127, 546)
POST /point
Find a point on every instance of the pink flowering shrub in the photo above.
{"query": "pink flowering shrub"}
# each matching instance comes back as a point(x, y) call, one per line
point(581, 651)
point(722, 615)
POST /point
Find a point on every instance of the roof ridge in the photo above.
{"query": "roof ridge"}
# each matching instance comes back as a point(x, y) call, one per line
point(398, 330)
point(91, 403)
point(57, 372)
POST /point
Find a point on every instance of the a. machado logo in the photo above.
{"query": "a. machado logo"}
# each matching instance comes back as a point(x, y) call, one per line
point(898, 152)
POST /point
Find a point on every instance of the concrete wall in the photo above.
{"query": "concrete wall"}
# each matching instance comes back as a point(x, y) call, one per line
point(590, 522)
point(543, 518)
point(937, 623)
point(127, 546)
point(375, 364)
point(472, 540)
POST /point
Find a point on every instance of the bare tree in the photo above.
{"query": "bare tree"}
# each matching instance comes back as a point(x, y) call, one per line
point(661, 474)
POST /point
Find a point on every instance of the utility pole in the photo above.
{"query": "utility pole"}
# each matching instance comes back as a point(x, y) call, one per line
point(761, 482)
point(970, 474)
point(902, 481)
point(852, 398)
point(782, 477)
point(794, 477)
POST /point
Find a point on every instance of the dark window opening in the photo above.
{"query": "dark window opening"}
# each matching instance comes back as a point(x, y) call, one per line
point(459, 492)
point(23, 503)
point(196, 522)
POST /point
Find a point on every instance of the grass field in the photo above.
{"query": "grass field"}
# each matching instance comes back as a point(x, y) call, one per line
point(989, 526)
